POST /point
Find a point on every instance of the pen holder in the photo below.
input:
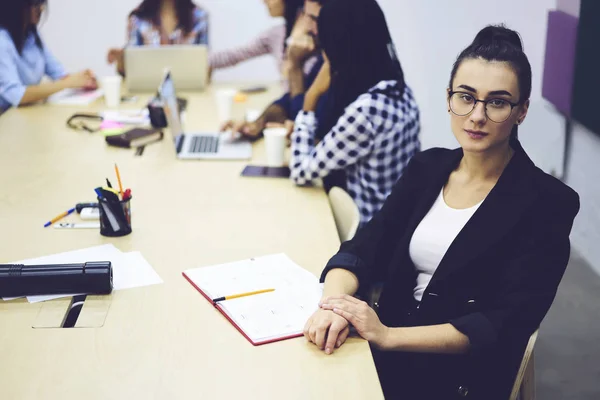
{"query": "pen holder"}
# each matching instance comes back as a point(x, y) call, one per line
point(115, 217)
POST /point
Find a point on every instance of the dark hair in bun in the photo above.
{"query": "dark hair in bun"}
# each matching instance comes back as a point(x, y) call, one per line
point(498, 43)
point(491, 35)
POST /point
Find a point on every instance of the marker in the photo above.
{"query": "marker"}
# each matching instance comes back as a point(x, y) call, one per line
point(110, 193)
point(81, 206)
point(235, 296)
point(59, 217)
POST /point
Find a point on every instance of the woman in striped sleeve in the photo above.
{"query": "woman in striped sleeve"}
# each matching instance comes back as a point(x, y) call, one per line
point(270, 41)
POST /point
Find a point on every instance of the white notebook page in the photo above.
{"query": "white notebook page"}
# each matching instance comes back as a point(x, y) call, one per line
point(264, 316)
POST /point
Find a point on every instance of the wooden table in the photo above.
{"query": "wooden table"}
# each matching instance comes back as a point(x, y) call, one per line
point(163, 341)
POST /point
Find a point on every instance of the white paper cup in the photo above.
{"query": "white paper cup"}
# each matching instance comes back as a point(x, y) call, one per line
point(275, 139)
point(111, 85)
point(225, 103)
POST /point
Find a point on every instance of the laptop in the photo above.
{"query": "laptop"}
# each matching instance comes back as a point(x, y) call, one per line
point(144, 66)
point(198, 146)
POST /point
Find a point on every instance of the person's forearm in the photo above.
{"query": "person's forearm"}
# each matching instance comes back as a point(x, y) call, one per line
point(296, 81)
point(310, 101)
point(273, 113)
point(42, 91)
point(340, 281)
point(444, 339)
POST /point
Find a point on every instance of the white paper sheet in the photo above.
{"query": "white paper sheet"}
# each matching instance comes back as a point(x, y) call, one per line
point(265, 316)
point(134, 271)
point(130, 270)
point(75, 97)
point(134, 117)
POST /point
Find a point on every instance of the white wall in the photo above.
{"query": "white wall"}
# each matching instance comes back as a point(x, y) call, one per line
point(429, 36)
point(583, 175)
point(80, 32)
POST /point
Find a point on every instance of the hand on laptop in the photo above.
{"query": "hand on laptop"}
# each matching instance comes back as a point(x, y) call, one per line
point(251, 130)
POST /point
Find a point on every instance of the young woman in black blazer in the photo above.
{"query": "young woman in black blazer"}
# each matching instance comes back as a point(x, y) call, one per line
point(494, 227)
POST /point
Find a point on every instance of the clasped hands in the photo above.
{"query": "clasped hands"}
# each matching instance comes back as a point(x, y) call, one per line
point(329, 326)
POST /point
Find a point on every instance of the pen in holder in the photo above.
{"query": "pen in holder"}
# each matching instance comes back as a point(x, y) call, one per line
point(115, 217)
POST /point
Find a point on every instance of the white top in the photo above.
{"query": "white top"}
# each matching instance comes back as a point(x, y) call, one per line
point(433, 238)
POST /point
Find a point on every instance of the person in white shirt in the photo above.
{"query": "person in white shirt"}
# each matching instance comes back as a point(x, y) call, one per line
point(470, 246)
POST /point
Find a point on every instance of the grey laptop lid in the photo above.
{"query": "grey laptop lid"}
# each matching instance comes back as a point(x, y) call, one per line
point(144, 66)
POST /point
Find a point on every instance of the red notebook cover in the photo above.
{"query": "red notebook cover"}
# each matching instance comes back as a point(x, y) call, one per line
point(218, 307)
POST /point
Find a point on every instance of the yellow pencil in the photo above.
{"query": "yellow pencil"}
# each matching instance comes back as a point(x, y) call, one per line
point(119, 180)
point(59, 217)
point(235, 296)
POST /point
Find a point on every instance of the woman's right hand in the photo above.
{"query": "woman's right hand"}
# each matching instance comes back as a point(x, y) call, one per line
point(81, 80)
point(300, 49)
point(302, 26)
point(326, 330)
point(251, 130)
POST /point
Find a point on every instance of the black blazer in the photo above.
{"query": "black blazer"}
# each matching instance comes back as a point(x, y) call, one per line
point(495, 283)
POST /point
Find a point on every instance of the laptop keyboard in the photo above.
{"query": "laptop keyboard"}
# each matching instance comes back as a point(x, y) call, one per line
point(204, 144)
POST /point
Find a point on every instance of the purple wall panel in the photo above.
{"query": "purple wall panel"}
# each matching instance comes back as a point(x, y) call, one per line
point(559, 63)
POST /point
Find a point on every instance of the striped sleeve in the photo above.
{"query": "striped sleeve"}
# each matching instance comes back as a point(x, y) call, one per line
point(265, 43)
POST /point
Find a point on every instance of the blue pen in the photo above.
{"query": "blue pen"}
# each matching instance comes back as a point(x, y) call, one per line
point(59, 217)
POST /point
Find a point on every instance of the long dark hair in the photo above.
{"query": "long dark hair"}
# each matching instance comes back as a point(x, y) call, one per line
point(292, 9)
point(14, 17)
point(150, 10)
point(355, 37)
point(498, 43)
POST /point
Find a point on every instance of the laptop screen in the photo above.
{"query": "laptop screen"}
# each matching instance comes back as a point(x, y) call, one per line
point(169, 100)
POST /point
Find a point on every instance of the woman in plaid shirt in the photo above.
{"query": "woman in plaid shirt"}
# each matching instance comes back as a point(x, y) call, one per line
point(372, 128)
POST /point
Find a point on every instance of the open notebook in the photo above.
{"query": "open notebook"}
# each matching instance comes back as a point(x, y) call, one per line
point(265, 317)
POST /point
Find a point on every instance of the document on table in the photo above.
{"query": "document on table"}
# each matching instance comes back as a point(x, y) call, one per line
point(130, 270)
point(266, 317)
point(75, 97)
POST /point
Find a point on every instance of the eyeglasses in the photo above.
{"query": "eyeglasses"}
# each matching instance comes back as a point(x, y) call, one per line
point(497, 110)
point(80, 122)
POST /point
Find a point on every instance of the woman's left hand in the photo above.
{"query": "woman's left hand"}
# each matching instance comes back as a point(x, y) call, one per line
point(360, 315)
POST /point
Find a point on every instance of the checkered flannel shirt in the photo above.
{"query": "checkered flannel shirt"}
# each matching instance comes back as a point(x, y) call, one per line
point(372, 141)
